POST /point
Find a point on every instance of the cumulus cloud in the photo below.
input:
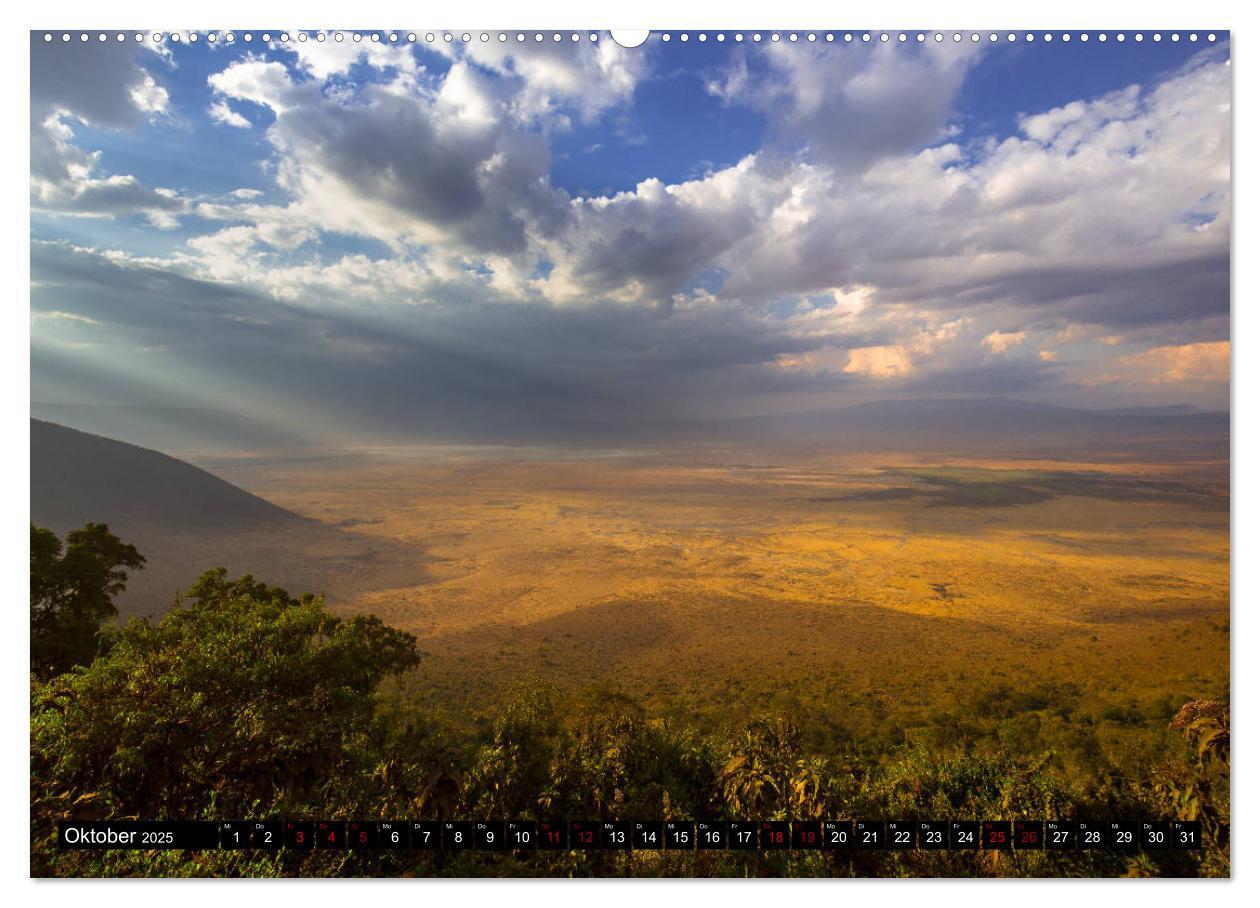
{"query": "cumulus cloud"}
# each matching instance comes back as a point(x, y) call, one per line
point(852, 107)
point(1039, 227)
point(329, 57)
point(865, 244)
point(887, 361)
point(1196, 364)
point(454, 161)
point(643, 245)
point(554, 79)
point(432, 164)
point(100, 85)
point(1063, 217)
point(1018, 221)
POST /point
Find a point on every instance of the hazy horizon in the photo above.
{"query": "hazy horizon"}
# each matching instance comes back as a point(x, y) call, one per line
point(926, 425)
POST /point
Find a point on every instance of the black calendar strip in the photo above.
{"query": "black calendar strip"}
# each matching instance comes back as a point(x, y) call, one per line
point(624, 835)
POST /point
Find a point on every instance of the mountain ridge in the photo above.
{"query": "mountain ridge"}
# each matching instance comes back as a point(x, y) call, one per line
point(185, 520)
point(78, 477)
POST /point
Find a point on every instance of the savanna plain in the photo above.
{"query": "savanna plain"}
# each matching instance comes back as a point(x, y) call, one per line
point(879, 598)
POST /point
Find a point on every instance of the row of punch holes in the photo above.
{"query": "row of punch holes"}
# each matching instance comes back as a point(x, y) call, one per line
point(666, 37)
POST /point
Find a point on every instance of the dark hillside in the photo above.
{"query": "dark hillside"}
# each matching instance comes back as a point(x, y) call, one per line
point(185, 520)
point(77, 477)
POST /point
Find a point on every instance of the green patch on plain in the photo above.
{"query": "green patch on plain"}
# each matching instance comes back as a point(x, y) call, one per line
point(977, 487)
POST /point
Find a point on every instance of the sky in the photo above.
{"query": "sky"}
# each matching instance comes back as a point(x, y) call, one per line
point(403, 239)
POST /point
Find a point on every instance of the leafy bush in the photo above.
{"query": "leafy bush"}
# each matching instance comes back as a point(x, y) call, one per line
point(241, 702)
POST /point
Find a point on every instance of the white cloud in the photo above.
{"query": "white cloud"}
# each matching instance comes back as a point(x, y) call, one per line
point(1194, 365)
point(888, 361)
point(330, 57)
point(556, 77)
point(264, 82)
point(105, 88)
point(148, 96)
point(220, 112)
point(1053, 223)
point(403, 163)
point(852, 105)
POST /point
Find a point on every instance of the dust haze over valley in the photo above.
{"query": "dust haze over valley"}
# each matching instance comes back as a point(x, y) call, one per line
point(785, 567)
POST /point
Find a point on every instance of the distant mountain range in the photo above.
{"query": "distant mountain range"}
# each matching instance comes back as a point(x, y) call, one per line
point(970, 425)
point(998, 416)
point(211, 437)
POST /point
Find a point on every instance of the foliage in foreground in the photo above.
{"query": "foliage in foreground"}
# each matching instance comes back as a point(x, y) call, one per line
point(244, 702)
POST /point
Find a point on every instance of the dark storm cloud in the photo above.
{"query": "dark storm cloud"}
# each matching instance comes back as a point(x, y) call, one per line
point(1119, 295)
point(453, 366)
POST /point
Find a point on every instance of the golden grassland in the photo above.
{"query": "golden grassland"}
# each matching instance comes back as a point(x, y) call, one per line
point(875, 596)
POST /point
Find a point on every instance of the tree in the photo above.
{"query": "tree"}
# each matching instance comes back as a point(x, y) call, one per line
point(72, 591)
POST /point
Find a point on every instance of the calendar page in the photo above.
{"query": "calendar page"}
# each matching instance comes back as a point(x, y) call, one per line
point(712, 452)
